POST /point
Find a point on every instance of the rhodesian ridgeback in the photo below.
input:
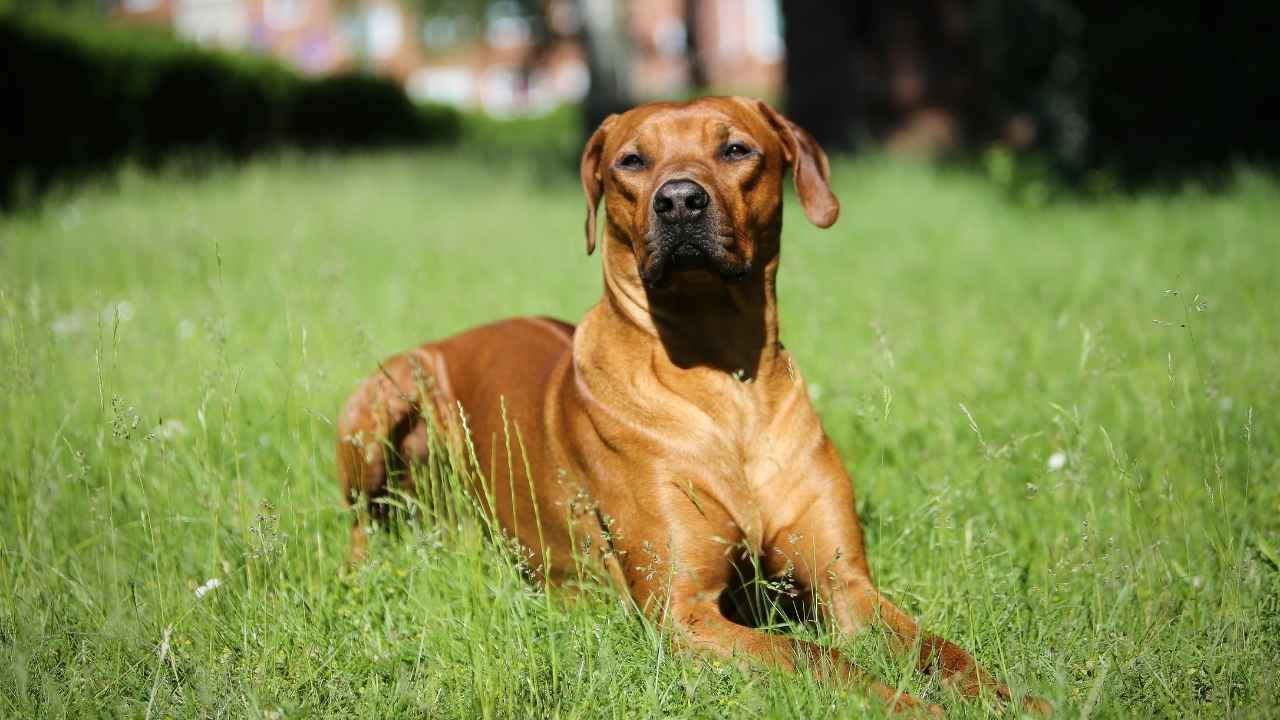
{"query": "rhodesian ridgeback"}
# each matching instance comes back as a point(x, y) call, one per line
point(669, 435)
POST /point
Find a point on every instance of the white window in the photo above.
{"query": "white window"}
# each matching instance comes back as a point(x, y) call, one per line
point(764, 35)
point(385, 31)
point(669, 36)
point(284, 14)
point(500, 90)
point(212, 22)
point(140, 6)
point(730, 27)
point(453, 85)
point(572, 80)
point(440, 32)
point(505, 26)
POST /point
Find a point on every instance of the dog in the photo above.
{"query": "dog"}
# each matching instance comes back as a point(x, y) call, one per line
point(669, 435)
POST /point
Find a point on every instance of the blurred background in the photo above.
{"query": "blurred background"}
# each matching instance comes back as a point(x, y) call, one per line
point(1069, 92)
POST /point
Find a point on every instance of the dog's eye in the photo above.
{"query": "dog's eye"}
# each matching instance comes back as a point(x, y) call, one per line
point(631, 161)
point(736, 151)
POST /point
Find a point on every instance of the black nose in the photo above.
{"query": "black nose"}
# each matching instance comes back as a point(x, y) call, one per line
point(680, 201)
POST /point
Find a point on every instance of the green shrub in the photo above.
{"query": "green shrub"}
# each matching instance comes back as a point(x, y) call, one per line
point(550, 143)
point(1137, 92)
point(87, 96)
point(334, 111)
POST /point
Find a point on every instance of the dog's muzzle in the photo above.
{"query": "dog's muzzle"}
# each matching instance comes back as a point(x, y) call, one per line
point(686, 234)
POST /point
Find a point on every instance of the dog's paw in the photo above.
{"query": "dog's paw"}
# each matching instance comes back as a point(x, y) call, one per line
point(1037, 706)
point(909, 706)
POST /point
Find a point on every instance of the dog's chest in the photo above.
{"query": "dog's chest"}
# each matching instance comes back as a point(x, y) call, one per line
point(754, 450)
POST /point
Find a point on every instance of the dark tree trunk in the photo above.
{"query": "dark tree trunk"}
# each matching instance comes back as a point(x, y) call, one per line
point(604, 31)
point(693, 45)
point(906, 71)
point(822, 74)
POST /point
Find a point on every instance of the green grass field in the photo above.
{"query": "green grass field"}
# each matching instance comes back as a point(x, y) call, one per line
point(173, 352)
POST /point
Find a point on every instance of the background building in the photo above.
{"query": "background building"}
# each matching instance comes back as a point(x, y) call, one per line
point(506, 60)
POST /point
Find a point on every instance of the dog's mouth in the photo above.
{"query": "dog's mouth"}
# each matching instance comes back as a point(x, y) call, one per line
point(688, 256)
point(678, 253)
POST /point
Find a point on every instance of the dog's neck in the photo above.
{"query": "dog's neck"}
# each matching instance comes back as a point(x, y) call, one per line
point(700, 322)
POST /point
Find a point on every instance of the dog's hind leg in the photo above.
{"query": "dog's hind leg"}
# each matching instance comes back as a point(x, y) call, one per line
point(381, 434)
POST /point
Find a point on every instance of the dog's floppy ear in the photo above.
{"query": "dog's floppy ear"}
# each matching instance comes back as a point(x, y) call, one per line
point(809, 168)
point(592, 182)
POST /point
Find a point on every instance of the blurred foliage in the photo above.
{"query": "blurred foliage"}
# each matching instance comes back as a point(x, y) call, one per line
point(1135, 92)
point(358, 110)
point(474, 9)
point(1100, 94)
point(477, 9)
point(550, 143)
point(78, 8)
point(89, 96)
point(477, 15)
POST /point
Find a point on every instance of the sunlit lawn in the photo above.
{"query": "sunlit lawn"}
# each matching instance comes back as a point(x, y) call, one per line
point(173, 351)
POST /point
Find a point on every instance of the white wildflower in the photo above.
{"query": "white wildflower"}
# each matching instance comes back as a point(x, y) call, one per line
point(122, 309)
point(209, 586)
point(1057, 461)
point(171, 429)
point(64, 325)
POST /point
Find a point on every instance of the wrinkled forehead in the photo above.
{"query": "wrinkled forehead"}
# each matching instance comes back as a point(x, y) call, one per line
point(696, 124)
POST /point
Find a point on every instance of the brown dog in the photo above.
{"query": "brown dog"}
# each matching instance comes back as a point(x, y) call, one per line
point(670, 433)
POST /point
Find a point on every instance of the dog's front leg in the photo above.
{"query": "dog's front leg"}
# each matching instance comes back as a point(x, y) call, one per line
point(676, 570)
point(821, 539)
point(702, 626)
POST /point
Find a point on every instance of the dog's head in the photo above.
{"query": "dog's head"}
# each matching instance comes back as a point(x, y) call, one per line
point(696, 187)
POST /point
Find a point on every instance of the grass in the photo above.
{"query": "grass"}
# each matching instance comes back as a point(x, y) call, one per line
point(173, 352)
